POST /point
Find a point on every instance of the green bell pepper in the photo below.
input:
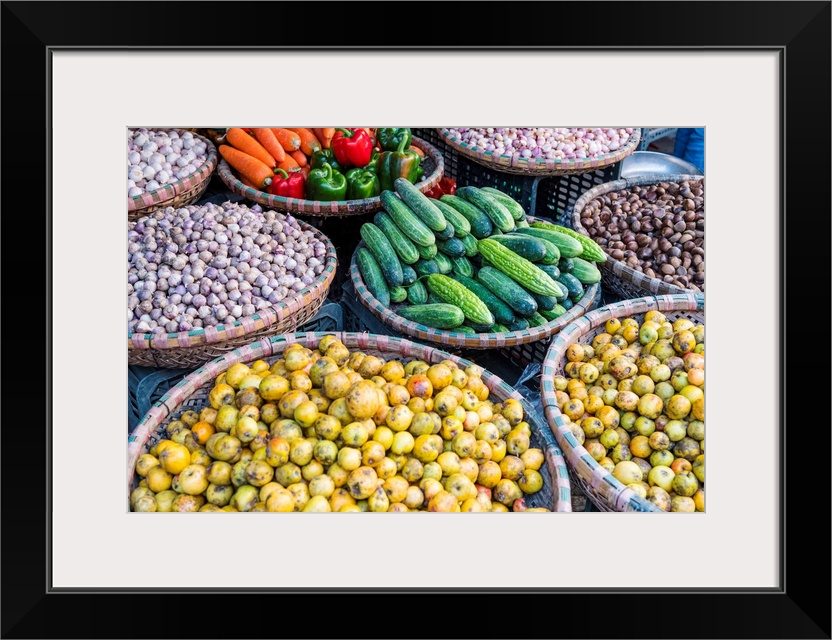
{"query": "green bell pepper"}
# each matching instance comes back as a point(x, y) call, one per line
point(400, 163)
point(390, 137)
point(361, 184)
point(324, 157)
point(326, 184)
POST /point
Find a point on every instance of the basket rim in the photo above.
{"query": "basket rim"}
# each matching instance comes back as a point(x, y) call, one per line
point(326, 207)
point(554, 167)
point(577, 457)
point(264, 348)
point(242, 327)
point(617, 267)
point(456, 338)
point(172, 189)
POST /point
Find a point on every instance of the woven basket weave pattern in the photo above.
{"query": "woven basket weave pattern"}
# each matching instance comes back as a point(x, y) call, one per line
point(456, 338)
point(333, 208)
point(606, 492)
point(194, 348)
point(616, 276)
point(192, 392)
point(176, 194)
point(532, 166)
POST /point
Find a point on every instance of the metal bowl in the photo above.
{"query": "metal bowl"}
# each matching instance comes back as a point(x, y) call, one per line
point(641, 163)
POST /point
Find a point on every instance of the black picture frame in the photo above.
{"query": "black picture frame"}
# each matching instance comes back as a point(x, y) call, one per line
point(799, 608)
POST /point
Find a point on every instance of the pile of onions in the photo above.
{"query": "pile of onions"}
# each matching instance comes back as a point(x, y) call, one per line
point(548, 143)
point(156, 158)
point(200, 266)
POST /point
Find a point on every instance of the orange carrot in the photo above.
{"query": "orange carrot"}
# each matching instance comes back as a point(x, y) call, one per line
point(305, 170)
point(248, 183)
point(300, 157)
point(287, 138)
point(324, 135)
point(418, 151)
point(248, 166)
point(242, 141)
point(266, 137)
point(309, 144)
point(289, 164)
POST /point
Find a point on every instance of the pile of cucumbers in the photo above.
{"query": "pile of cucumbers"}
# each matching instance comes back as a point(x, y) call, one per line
point(471, 262)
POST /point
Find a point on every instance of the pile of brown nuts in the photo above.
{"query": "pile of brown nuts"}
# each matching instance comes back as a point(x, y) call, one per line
point(658, 229)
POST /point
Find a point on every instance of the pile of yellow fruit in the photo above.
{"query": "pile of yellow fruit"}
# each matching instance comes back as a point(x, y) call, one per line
point(635, 399)
point(329, 430)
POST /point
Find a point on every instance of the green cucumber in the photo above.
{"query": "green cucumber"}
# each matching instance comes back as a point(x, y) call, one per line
point(551, 269)
point(526, 247)
point(420, 204)
point(458, 221)
point(546, 303)
point(372, 276)
point(452, 247)
point(438, 316)
point(480, 328)
point(573, 285)
point(499, 328)
point(500, 310)
point(398, 294)
point(435, 299)
point(567, 304)
point(481, 225)
point(522, 224)
point(471, 246)
point(552, 314)
point(444, 235)
point(402, 245)
point(463, 265)
point(493, 208)
point(585, 271)
point(426, 267)
point(536, 320)
point(427, 253)
point(383, 252)
point(566, 265)
point(407, 221)
point(519, 324)
point(507, 290)
point(507, 201)
point(417, 294)
point(592, 250)
point(552, 252)
point(568, 247)
point(408, 275)
point(444, 262)
point(465, 329)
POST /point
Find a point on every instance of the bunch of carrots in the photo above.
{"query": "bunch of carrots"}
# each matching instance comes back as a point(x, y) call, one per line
point(258, 153)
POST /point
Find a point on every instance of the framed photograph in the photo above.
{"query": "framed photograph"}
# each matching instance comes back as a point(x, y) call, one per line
point(755, 76)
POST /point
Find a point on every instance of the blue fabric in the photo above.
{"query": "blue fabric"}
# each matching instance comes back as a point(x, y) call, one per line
point(690, 146)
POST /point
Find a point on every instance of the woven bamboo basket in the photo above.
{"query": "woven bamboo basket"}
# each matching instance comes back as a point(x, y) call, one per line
point(188, 349)
point(192, 393)
point(616, 276)
point(433, 164)
point(538, 167)
point(396, 322)
point(176, 194)
point(605, 491)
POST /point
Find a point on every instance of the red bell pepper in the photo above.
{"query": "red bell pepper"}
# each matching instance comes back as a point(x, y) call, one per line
point(445, 186)
point(293, 186)
point(352, 147)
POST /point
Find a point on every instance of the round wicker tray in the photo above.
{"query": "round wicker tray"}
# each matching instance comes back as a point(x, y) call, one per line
point(466, 340)
point(433, 161)
point(192, 392)
point(188, 349)
point(605, 491)
point(534, 167)
point(616, 276)
point(176, 194)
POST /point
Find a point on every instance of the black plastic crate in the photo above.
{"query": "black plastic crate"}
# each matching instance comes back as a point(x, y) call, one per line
point(146, 385)
point(467, 172)
point(556, 195)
